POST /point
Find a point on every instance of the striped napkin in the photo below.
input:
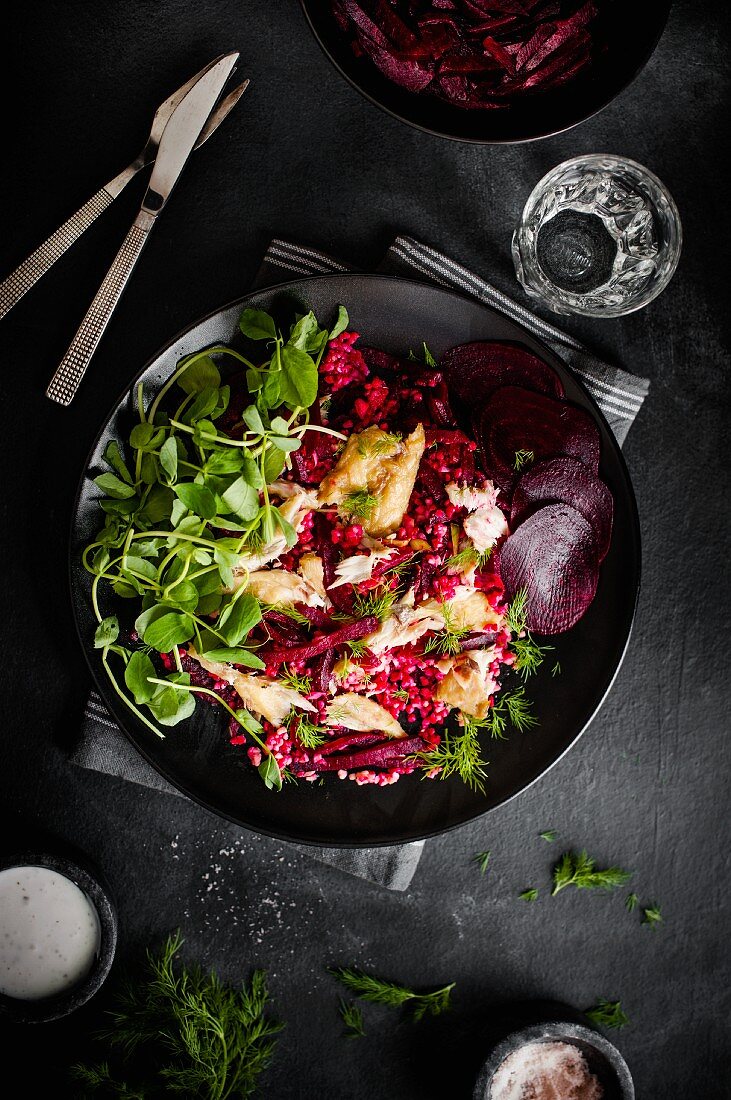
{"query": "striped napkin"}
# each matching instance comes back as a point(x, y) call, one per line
point(103, 747)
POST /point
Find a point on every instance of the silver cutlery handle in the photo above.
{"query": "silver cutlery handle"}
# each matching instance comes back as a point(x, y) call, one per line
point(42, 260)
point(72, 367)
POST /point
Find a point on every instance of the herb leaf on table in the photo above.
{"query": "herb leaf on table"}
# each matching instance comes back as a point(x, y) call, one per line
point(390, 993)
point(581, 871)
point(607, 1014)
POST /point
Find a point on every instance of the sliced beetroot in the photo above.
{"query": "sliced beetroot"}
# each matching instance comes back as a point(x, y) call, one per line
point(387, 754)
point(348, 740)
point(348, 633)
point(474, 54)
point(474, 371)
point(517, 419)
point(567, 481)
point(553, 556)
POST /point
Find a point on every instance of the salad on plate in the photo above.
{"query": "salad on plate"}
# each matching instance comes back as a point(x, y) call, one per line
point(347, 551)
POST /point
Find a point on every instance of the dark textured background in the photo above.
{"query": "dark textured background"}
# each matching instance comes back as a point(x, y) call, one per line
point(304, 156)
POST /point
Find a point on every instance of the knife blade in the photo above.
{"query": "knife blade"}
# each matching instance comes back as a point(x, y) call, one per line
point(182, 132)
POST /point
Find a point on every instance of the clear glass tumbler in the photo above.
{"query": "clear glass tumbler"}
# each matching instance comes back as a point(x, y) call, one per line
point(600, 235)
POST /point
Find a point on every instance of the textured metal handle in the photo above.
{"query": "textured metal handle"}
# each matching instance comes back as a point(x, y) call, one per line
point(42, 260)
point(72, 367)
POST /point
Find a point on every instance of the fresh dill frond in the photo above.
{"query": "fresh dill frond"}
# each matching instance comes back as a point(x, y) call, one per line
point(556, 670)
point(288, 777)
point(308, 734)
point(203, 1038)
point(381, 445)
point(549, 835)
point(357, 648)
point(481, 859)
point(529, 895)
point(512, 706)
point(523, 459)
point(301, 684)
point(651, 916)
point(460, 754)
point(429, 359)
point(630, 902)
point(607, 1014)
point(285, 609)
point(468, 557)
point(382, 992)
point(529, 656)
point(402, 694)
point(359, 504)
point(353, 1019)
point(581, 871)
point(446, 642)
point(516, 615)
point(377, 602)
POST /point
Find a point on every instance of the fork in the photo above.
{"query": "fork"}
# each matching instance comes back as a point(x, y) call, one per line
point(20, 281)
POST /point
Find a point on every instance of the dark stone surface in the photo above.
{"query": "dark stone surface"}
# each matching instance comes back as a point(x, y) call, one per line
point(304, 156)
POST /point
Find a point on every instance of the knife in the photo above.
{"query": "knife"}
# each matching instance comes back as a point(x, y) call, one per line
point(27, 274)
point(176, 144)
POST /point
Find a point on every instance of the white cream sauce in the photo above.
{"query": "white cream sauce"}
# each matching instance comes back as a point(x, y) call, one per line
point(49, 933)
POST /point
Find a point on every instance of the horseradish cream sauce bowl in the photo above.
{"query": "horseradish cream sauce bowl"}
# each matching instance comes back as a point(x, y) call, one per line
point(58, 933)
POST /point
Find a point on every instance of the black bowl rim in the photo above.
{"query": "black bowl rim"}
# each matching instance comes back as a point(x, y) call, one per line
point(102, 685)
point(94, 885)
point(642, 61)
point(551, 1031)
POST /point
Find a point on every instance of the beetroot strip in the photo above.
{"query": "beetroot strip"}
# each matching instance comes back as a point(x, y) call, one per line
point(348, 633)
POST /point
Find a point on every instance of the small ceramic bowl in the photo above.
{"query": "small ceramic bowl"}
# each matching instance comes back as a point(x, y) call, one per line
point(602, 1057)
point(97, 892)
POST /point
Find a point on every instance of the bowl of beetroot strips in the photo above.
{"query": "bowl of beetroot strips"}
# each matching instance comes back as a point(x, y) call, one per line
point(488, 71)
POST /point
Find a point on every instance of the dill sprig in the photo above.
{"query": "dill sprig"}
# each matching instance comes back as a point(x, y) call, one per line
point(630, 903)
point(353, 1019)
point(378, 602)
point(309, 735)
point(607, 1014)
point(429, 359)
point(357, 648)
point(513, 707)
point(651, 917)
point(481, 859)
point(468, 557)
point(286, 609)
point(460, 754)
point(382, 992)
point(402, 694)
point(581, 871)
point(529, 895)
point(204, 1039)
point(549, 835)
point(301, 684)
point(522, 459)
point(448, 642)
point(381, 445)
point(528, 653)
point(358, 505)
point(556, 670)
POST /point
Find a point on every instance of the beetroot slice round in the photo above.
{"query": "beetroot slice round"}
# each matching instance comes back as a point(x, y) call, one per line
point(516, 419)
point(475, 371)
point(553, 556)
point(565, 481)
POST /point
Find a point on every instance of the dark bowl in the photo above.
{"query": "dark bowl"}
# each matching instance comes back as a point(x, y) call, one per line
point(91, 883)
point(631, 32)
point(548, 1022)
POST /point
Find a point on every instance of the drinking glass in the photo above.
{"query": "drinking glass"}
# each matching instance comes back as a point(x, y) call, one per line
point(600, 235)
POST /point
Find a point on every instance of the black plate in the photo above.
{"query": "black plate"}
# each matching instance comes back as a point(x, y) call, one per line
point(394, 314)
point(631, 31)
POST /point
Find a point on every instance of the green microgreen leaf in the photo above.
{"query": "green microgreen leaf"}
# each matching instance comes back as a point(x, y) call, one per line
point(196, 498)
point(257, 325)
point(137, 677)
point(235, 656)
point(529, 895)
point(271, 773)
point(238, 618)
point(170, 629)
point(341, 323)
point(203, 374)
point(107, 632)
point(651, 917)
point(114, 487)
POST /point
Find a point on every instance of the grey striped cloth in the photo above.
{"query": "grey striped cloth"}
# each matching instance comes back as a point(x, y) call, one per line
point(103, 747)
